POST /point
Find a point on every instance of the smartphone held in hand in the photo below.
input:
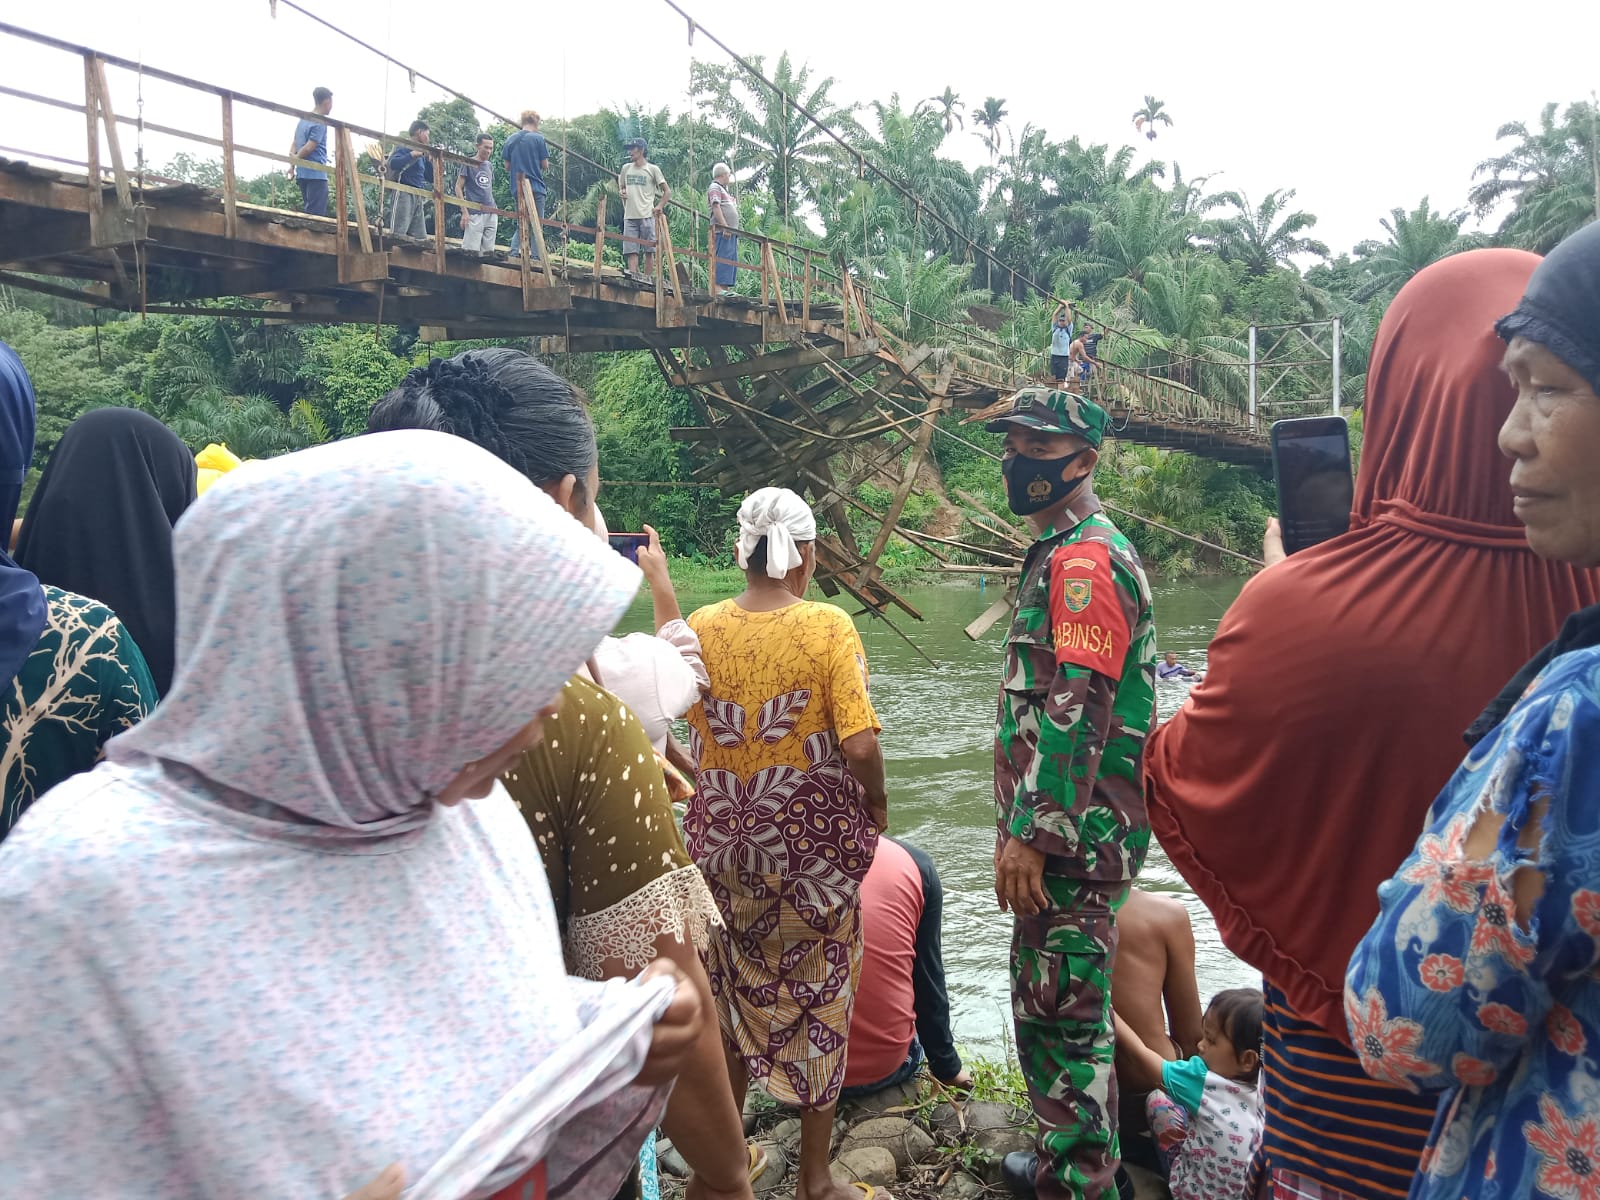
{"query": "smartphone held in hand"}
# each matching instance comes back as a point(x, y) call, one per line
point(1316, 487)
point(629, 544)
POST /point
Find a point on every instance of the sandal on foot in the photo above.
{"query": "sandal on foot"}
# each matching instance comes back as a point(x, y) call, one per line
point(758, 1163)
point(868, 1192)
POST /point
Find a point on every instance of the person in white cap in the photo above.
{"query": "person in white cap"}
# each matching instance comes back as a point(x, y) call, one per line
point(724, 227)
point(657, 675)
point(785, 822)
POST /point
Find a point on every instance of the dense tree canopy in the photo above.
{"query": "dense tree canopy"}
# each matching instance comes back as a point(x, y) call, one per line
point(1183, 270)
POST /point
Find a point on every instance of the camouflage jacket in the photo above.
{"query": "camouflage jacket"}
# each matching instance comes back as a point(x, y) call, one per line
point(1078, 702)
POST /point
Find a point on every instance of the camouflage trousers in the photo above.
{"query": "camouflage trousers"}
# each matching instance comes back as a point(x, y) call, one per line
point(1061, 1002)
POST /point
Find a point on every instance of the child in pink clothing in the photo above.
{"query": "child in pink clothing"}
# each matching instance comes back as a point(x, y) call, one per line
point(1205, 1111)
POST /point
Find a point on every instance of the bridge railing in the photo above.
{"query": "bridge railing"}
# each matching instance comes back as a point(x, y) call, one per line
point(793, 279)
point(799, 287)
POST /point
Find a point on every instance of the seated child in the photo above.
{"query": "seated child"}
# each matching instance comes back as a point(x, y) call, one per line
point(1205, 1111)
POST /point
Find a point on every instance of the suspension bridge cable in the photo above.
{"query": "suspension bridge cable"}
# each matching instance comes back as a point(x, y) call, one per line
point(862, 165)
point(862, 162)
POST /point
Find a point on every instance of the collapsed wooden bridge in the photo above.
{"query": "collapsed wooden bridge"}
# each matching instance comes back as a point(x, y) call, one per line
point(796, 382)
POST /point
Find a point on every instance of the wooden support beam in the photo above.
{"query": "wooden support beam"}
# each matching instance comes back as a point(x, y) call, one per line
point(230, 182)
point(96, 295)
point(781, 360)
point(599, 243)
point(350, 166)
point(919, 451)
point(439, 215)
point(671, 312)
point(119, 172)
point(91, 115)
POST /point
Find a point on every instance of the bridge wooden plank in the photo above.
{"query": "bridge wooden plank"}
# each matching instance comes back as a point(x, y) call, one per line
point(781, 360)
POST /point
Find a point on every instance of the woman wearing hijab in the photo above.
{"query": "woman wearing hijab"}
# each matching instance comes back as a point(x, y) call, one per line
point(1297, 774)
point(1478, 978)
point(266, 946)
point(625, 889)
point(100, 522)
point(785, 821)
point(70, 676)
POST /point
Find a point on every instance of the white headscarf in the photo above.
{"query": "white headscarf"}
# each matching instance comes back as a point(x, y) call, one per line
point(781, 517)
point(359, 621)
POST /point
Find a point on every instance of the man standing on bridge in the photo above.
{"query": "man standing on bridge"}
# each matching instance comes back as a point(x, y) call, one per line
point(311, 146)
point(527, 156)
point(1076, 706)
point(411, 167)
point(475, 182)
point(645, 193)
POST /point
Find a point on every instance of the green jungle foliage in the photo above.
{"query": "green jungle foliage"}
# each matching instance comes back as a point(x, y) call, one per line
point(1136, 244)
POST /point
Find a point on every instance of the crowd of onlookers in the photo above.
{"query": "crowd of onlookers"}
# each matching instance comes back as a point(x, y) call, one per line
point(339, 828)
point(408, 172)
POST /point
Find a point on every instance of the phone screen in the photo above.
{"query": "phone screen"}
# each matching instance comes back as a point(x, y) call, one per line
point(1311, 458)
point(628, 544)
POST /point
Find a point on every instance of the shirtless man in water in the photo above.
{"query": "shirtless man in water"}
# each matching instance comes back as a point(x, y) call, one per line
point(1153, 985)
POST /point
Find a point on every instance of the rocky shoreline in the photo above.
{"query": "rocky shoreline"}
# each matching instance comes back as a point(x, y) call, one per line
point(905, 1139)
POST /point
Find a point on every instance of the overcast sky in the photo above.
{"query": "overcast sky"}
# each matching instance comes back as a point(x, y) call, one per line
point(1361, 105)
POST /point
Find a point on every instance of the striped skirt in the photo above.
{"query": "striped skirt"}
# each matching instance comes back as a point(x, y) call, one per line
point(1327, 1121)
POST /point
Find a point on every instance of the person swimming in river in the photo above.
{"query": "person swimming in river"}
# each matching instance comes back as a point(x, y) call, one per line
point(1171, 668)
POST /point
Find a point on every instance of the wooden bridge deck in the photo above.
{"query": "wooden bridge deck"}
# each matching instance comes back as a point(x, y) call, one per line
point(183, 254)
point(796, 385)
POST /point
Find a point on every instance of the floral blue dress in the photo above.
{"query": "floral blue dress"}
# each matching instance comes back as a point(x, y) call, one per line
point(1447, 992)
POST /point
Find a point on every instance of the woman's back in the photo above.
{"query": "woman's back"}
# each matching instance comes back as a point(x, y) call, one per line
point(787, 686)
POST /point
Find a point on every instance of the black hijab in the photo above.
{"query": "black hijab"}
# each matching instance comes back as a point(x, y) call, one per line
point(100, 523)
point(22, 607)
point(1561, 311)
point(1561, 308)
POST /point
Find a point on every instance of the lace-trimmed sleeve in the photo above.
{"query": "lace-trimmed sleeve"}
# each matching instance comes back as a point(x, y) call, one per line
point(677, 904)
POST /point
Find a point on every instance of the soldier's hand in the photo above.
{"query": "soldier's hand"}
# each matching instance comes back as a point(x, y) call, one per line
point(1019, 879)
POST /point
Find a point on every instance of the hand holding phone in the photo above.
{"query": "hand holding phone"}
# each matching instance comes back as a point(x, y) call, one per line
point(629, 544)
point(1316, 488)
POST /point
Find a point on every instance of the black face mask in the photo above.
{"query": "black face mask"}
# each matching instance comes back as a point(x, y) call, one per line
point(1034, 484)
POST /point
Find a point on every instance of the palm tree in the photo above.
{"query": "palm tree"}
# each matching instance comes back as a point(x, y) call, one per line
point(1147, 118)
point(1546, 175)
point(1138, 233)
point(1182, 302)
point(250, 426)
point(1416, 239)
point(991, 117)
point(912, 294)
point(949, 107)
point(1267, 235)
point(906, 149)
point(792, 155)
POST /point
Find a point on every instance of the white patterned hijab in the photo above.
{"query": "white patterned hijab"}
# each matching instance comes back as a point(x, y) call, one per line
point(358, 621)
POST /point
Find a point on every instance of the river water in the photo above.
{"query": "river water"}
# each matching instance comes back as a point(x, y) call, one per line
point(938, 738)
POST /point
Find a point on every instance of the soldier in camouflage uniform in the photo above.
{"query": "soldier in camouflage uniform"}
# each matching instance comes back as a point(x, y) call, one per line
point(1076, 706)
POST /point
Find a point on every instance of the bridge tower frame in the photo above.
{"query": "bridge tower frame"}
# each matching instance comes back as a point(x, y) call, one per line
point(1318, 339)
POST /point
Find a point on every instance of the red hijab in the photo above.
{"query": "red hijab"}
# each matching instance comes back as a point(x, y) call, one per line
point(1297, 776)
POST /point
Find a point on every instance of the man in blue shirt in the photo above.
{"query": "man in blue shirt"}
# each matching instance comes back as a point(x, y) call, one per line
point(527, 154)
point(475, 182)
point(412, 167)
point(311, 146)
